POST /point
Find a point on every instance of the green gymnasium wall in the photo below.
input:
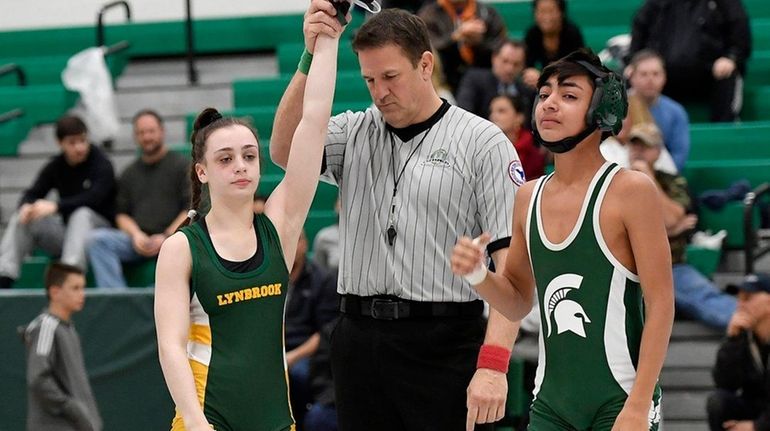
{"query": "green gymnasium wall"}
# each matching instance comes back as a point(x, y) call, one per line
point(117, 332)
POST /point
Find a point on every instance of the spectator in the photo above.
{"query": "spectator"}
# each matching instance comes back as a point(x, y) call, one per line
point(552, 37)
point(479, 86)
point(695, 295)
point(153, 195)
point(742, 399)
point(59, 396)
point(312, 302)
point(647, 75)
point(705, 45)
point(85, 181)
point(326, 245)
point(322, 415)
point(464, 32)
point(508, 114)
point(615, 148)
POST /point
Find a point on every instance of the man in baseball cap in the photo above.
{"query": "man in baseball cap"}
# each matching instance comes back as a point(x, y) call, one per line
point(742, 398)
point(696, 296)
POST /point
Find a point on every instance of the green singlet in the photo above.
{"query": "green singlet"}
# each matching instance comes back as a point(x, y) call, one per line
point(236, 345)
point(592, 316)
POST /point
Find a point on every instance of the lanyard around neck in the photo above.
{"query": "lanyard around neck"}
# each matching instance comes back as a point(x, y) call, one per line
point(391, 232)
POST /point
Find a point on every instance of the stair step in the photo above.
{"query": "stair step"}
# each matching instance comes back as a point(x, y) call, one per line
point(679, 405)
point(692, 330)
point(674, 425)
point(686, 379)
point(175, 101)
point(145, 74)
point(692, 354)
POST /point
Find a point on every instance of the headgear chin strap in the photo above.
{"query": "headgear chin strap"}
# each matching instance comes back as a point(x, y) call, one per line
point(343, 6)
point(562, 145)
point(608, 108)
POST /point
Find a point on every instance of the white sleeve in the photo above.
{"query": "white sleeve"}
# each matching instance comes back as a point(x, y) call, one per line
point(338, 135)
point(498, 174)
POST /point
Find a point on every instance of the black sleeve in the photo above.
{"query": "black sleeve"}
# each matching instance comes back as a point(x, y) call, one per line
point(102, 178)
point(42, 185)
point(762, 423)
point(498, 245)
point(732, 357)
point(440, 35)
point(495, 31)
point(575, 37)
point(640, 28)
point(738, 37)
point(534, 42)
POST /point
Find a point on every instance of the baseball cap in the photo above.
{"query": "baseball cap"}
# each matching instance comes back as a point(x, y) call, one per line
point(752, 283)
point(646, 133)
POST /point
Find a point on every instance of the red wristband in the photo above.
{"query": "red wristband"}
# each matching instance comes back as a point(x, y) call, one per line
point(494, 358)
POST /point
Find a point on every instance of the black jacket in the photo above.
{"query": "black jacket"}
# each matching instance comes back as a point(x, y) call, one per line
point(692, 34)
point(738, 369)
point(440, 28)
point(90, 184)
point(312, 303)
point(570, 40)
point(479, 86)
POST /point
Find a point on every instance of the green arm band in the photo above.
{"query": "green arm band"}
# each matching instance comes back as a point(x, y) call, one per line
point(304, 62)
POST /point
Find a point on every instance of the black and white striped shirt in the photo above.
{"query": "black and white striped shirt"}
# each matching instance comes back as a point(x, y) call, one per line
point(460, 181)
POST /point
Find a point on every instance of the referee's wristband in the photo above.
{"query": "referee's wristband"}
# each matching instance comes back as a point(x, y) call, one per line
point(494, 358)
point(477, 276)
point(304, 62)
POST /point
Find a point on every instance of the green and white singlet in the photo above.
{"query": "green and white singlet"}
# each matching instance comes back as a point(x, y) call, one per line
point(236, 344)
point(591, 313)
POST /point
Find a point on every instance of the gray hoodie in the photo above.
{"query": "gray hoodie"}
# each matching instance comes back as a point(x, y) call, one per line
point(59, 397)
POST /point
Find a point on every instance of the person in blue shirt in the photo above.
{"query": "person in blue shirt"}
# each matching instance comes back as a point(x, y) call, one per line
point(647, 75)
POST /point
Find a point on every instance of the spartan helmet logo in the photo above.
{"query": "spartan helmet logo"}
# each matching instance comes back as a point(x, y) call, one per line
point(568, 314)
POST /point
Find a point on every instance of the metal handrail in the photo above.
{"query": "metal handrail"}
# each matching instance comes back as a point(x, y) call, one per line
point(750, 236)
point(10, 115)
point(100, 19)
point(116, 48)
point(192, 73)
point(14, 68)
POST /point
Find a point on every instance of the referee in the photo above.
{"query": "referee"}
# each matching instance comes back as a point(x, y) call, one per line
point(414, 175)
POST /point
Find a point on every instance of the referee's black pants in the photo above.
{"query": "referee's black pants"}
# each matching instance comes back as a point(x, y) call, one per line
point(392, 375)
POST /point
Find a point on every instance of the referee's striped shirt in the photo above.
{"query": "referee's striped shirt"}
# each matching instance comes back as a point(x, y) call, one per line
point(460, 181)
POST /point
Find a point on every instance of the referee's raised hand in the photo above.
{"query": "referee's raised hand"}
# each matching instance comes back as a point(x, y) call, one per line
point(320, 19)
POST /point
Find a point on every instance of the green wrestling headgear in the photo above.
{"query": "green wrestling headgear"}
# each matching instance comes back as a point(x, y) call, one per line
point(608, 108)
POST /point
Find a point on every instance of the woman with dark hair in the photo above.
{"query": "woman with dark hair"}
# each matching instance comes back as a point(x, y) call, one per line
point(222, 280)
point(552, 37)
point(508, 113)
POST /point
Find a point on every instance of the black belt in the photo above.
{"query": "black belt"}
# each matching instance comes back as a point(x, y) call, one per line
point(393, 308)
